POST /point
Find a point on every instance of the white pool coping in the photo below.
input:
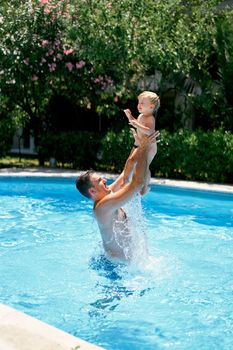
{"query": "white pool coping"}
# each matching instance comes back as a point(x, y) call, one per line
point(49, 172)
point(19, 331)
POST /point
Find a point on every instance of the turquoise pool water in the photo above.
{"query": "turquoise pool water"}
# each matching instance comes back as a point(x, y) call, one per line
point(181, 298)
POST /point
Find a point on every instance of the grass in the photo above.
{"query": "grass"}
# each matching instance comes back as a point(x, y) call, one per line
point(26, 162)
point(18, 162)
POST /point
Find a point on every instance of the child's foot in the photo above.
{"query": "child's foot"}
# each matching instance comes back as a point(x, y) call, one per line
point(144, 190)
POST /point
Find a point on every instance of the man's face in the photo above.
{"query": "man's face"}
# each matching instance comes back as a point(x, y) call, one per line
point(99, 184)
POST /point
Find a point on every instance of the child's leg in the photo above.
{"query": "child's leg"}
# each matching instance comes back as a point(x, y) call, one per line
point(146, 187)
point(151, 154)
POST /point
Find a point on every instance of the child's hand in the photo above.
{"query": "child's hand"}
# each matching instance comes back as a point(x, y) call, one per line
point(128, 114)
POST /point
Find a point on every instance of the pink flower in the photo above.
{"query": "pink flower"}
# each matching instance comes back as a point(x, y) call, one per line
point(35, 77)
point(26, 61)
point(47, 10)
point(80, 64)
point(134, 62)
point(67, 52)
point(59, 56)
point(99, 79)
point(52, 67)
point(43, 2)
point(69, 65)
point(44, 43)
point(51, 52)
point(57, 42)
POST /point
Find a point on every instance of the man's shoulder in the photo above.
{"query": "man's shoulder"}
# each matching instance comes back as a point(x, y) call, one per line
point(103, 213)
point(103, 204)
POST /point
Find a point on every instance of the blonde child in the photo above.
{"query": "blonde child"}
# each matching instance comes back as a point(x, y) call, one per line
point(148, 105)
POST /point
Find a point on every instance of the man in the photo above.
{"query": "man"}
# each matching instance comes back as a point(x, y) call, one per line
point(108, 202)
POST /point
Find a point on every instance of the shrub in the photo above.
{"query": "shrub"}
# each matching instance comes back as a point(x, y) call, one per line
point(184, 154)
point(195, 156)
point(115, 148)
point(78, 149)
point(6, 133)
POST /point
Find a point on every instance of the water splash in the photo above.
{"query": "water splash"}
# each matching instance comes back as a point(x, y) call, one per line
point(130, 233)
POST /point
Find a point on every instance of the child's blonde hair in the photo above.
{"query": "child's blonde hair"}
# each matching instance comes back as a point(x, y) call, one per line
point(153, 97)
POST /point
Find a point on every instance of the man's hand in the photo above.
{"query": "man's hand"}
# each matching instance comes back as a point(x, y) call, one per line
point(146, 140)
point(135, 135)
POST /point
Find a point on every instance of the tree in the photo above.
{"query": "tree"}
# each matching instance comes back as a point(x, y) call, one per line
point(35, 57)
point(97, 53)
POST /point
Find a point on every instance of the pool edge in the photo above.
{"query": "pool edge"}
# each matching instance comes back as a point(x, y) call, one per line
point(48, 172)
point(23, 332)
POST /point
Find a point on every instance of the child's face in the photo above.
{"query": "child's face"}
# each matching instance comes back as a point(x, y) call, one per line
point(145, 106)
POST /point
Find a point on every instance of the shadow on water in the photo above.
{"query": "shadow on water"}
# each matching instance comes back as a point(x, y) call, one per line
point(113, 290)
point(106, 268)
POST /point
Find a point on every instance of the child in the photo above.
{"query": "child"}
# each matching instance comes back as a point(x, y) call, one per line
point(148, 105)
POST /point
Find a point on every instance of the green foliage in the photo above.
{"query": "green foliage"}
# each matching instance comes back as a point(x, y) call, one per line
point(181, 155)
point(115, 148)
point(77, 149)
point(6, 134)
point(9, 118)
point(187, 155)
point(97, 53)
point(37, 58)
point(195, 156)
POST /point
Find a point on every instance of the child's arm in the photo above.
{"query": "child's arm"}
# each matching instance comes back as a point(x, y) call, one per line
point(145, 129)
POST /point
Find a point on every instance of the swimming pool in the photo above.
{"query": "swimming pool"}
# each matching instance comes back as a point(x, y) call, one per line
point(51, 267)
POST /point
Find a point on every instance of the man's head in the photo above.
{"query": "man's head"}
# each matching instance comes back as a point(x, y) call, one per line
point(92, 186)
point(151, 99)
point(83, 183)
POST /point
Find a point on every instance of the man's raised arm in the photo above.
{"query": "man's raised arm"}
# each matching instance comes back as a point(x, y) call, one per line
point(117, 199)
